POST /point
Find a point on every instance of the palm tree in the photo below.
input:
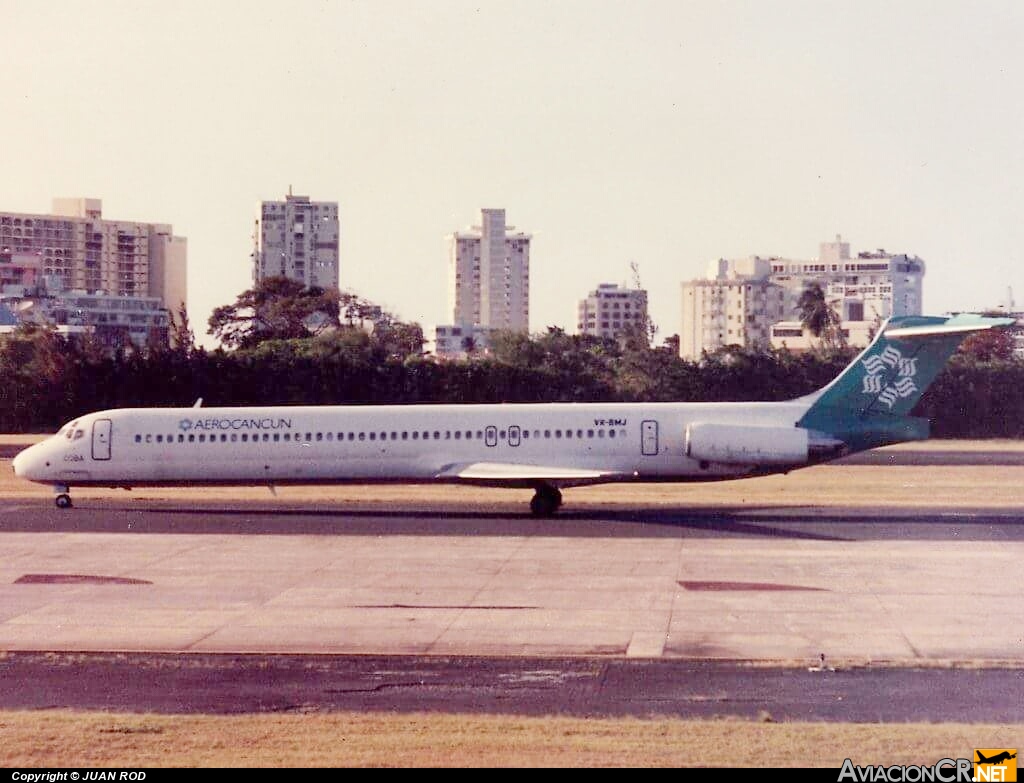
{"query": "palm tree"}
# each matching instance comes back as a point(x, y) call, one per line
point(818, 316)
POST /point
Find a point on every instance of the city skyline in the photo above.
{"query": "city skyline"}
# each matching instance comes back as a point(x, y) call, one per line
point(659, 133)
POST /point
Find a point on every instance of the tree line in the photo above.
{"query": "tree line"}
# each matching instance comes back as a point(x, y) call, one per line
point(46, 380)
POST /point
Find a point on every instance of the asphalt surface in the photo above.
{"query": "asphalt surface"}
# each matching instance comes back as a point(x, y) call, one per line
point(200, 606)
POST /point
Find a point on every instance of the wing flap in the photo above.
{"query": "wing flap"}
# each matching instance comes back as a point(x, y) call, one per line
point(511, 472)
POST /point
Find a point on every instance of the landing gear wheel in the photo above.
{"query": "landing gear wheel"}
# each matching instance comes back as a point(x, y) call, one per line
point(63, 500)
point(545, 502)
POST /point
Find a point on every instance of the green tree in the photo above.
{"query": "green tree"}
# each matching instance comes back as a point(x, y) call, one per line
point(818, 316)
point(275, 308)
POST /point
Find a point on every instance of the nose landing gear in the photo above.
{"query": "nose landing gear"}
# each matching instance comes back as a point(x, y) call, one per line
point(63, 499)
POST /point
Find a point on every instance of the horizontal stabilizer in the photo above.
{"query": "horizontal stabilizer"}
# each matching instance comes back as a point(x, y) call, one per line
point(962, 324)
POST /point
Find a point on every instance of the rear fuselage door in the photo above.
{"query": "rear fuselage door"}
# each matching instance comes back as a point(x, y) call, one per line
point(649, 438)
point(101, 439)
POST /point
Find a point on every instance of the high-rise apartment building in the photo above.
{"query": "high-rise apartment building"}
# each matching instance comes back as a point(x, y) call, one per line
point(735, 305)
point(489, 279)
point(74, 252)
point(863, 291)
point(489, 274)
point(610, 310)
point(298, 239)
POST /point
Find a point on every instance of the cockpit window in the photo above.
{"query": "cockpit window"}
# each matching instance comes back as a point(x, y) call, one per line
point(79, 434)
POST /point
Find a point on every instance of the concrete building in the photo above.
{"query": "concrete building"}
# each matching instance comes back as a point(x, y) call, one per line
point(298, 239)
point(457, 341)
point(610, 309)
point(735, 305)
point(73, 252)
point(863, 290)
point(488, 280)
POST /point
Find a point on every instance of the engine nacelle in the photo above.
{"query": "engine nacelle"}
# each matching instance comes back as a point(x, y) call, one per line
point(742, 445)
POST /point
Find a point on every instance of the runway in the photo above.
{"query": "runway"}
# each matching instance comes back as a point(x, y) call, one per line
point(735, 594)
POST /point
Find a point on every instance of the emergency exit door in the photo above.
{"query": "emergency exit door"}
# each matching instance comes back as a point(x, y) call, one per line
point(649, 438)
point(101, 439)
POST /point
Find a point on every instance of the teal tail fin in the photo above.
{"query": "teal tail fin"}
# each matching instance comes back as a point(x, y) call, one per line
point(869, 404)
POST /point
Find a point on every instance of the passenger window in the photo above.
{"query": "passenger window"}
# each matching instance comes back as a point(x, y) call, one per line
point(373, 436)
point(159, 438)
point(547, 433)
point(138, 438)
point(362, 436)
point(611, 433)
point(277, 437)
point(191, 438)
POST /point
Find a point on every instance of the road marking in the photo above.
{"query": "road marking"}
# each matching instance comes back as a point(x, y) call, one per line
point(646, 644)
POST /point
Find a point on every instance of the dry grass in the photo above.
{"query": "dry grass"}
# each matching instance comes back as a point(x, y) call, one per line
point(61, 739)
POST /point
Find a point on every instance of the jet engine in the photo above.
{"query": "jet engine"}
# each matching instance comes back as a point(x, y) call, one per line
point(743, 445)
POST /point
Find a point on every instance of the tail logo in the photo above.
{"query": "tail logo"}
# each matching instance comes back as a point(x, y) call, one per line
point(875, 368)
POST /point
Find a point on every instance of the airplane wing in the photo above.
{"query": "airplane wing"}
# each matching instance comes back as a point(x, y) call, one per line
point(517, 475)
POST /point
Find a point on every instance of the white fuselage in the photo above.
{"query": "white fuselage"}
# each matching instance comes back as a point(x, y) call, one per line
point(393, 443)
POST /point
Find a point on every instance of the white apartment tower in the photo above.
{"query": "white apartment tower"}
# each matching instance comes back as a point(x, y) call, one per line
point(610, 310)
point(298, 239)
point(489, 274)
point(735, 305)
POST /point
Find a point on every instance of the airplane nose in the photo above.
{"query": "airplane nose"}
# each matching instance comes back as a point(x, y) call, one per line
point(23, 462)
point(19, 464)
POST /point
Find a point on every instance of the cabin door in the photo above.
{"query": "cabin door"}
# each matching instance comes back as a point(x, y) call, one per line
point(649, 438)
point(101, 439)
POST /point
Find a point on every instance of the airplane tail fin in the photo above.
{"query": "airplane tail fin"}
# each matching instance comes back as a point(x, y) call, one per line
point(869, 403)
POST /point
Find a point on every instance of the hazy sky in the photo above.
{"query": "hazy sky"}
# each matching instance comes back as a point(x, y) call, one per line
point(669, 133)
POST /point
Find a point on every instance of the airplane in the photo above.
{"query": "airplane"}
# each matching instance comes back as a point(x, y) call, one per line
point(545, 447)
point(996, 759)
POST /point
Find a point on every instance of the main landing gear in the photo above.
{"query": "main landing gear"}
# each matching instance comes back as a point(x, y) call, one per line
point(546, 501)
point(63, 499)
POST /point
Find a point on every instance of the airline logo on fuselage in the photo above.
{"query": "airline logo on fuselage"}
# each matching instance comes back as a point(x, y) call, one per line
point(206, 425)
point(879, 365)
